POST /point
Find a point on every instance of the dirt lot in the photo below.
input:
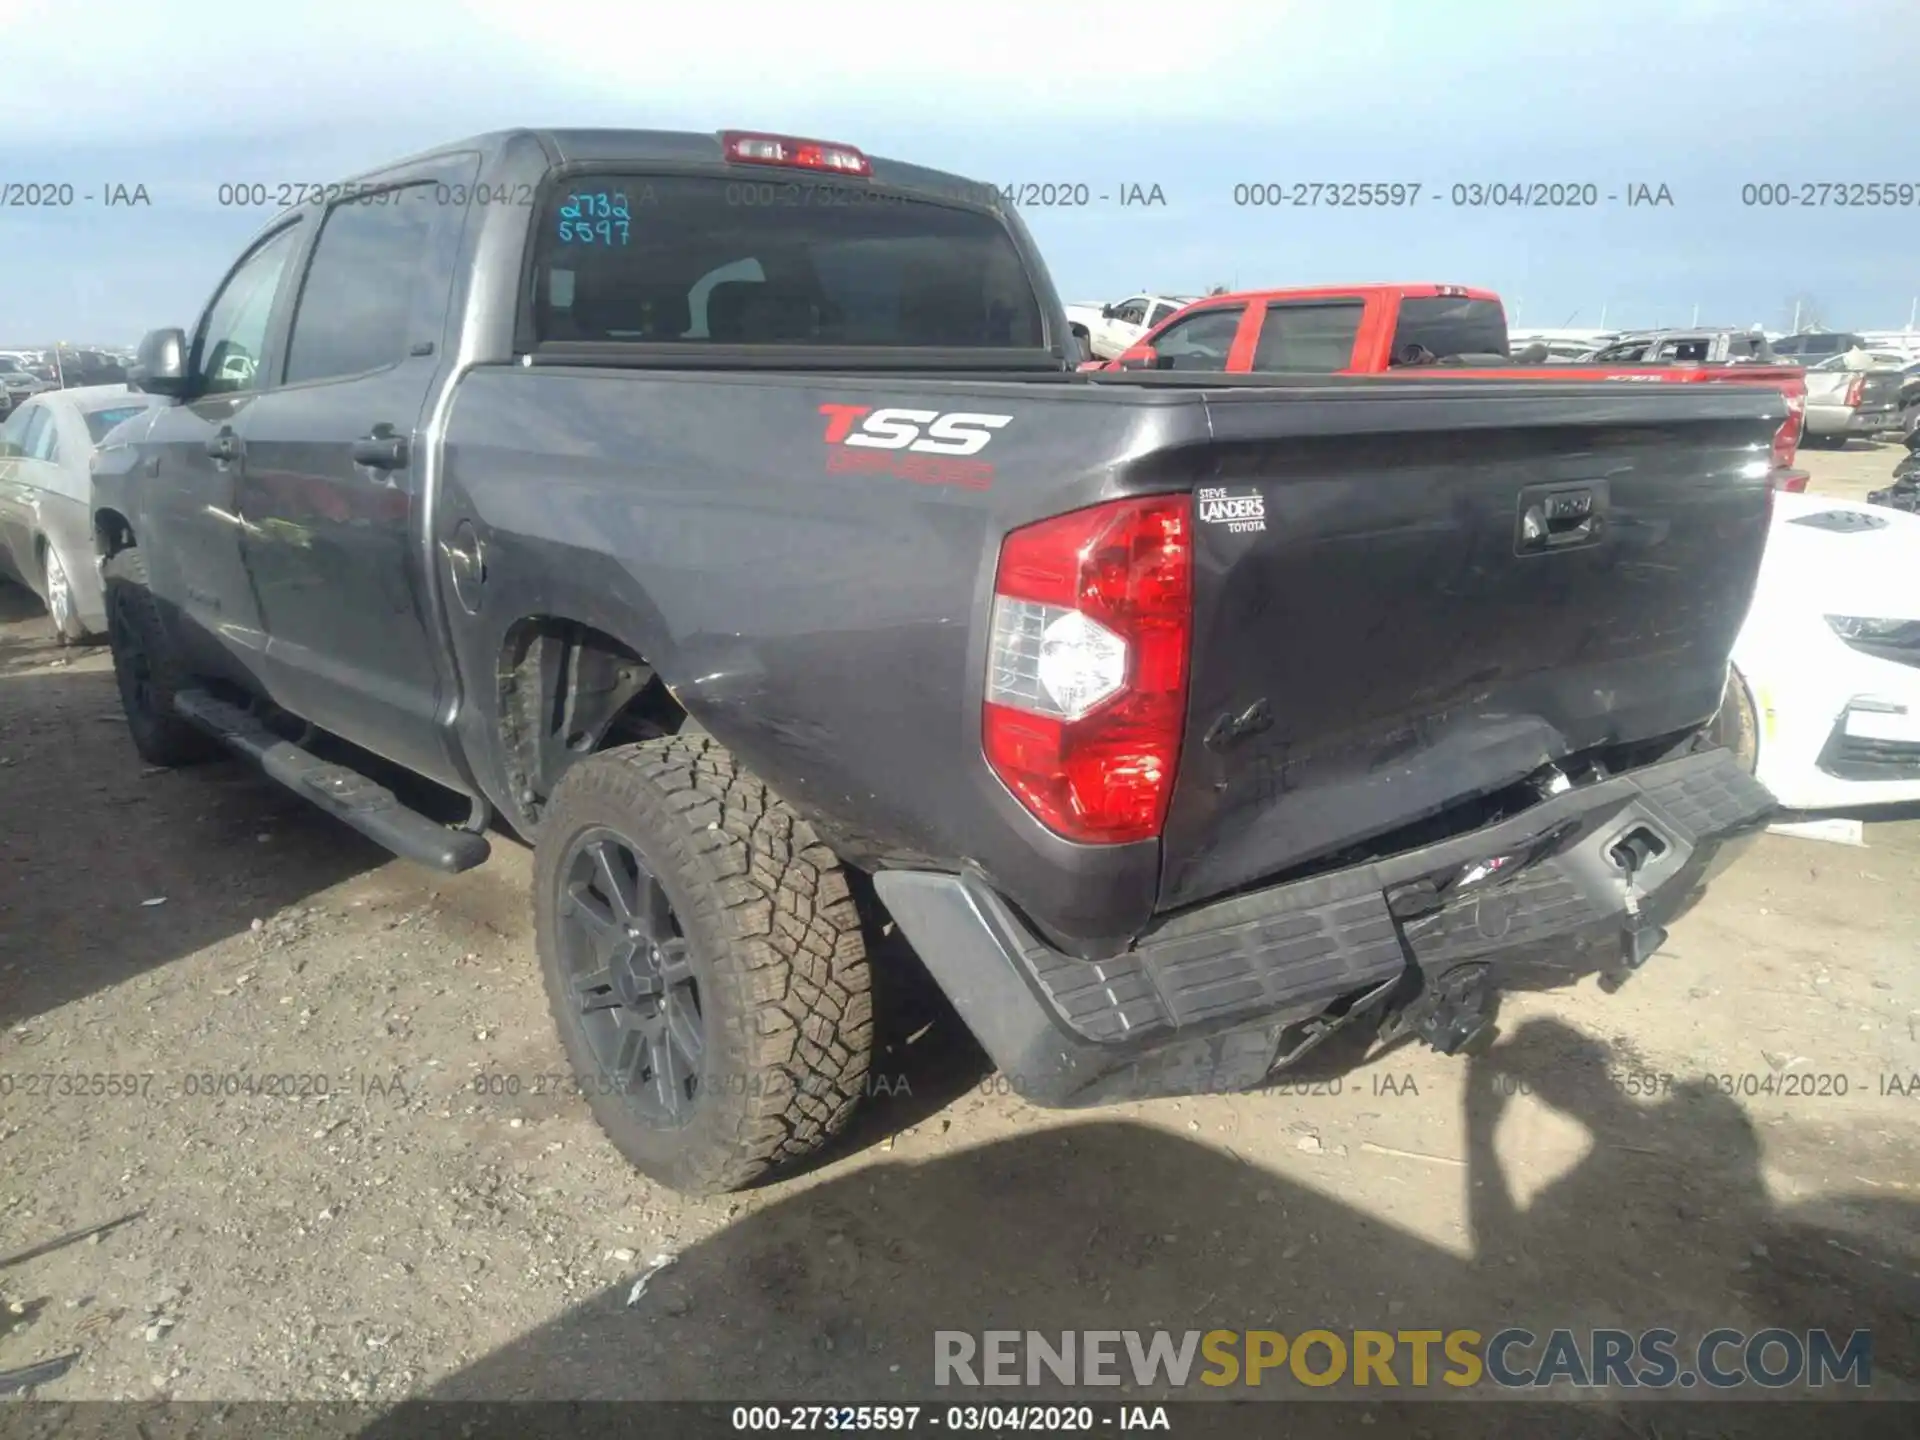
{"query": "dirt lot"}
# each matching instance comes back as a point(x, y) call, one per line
point(1678, 1154)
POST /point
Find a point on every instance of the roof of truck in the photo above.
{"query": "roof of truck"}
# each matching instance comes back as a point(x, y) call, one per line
point(691, 147)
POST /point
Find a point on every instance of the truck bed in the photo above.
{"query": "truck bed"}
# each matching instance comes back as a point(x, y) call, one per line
point(1372, 655)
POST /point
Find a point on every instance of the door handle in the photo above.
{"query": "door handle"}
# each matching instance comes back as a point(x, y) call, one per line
point(382, 450)
point(225, 446)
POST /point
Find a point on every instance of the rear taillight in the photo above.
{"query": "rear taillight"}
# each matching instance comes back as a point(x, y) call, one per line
point(753, 148)
point(1855, 389)
point(1786, 440)
point(1087, 666)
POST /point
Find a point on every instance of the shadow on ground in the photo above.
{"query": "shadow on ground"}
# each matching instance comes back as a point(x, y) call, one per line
point(834, 1292)
point(88, 833)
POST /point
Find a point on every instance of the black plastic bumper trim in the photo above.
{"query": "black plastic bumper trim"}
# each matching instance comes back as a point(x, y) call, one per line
point(1203, 999)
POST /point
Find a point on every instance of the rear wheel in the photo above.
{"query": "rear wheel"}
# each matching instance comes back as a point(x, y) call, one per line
point(1737, 725)
point(146, 668)
point(704, 963)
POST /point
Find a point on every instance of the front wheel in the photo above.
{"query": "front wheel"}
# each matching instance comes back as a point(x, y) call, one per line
point(146, 669)
point(704, 962)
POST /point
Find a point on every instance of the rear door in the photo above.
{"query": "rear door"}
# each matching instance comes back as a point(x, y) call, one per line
point(23, 428)
point(331, 489)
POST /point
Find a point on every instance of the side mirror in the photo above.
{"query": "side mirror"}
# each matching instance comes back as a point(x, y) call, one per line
point(1912, 442)
point(1141, 357)
point(1106, 312)
point(160, 365)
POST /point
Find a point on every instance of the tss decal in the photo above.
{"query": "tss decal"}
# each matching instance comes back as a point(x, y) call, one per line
point(893, 430)
point(959, 432)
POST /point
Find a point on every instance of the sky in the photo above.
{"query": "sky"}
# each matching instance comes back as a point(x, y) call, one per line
point(1200, 99)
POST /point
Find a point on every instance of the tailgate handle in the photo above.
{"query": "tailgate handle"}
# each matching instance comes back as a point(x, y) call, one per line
point(1559, 517)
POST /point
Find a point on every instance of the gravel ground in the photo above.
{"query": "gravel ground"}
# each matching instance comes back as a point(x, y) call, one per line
point(334, 1111)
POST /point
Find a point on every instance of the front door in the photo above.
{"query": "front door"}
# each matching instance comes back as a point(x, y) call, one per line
point(331, 485)
point(191, 472)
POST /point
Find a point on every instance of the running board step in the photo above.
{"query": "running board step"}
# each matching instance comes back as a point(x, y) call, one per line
point(344, 793)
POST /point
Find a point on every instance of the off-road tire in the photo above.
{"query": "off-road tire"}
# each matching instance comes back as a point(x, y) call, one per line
point(134, 629)
point(776, 946)
point(1737, 725)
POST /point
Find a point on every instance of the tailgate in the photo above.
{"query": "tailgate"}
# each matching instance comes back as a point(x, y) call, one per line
point(1406, 602)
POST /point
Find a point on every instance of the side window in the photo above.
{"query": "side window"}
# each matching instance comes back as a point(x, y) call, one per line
point(1308, 339)
point(357, 300)
point(13, 435)
point(43, 440)
point(1622, 354)
point(39, 422)
point(1160, 312)
point(1200, 342)
point(1692, 351)
point(227, 350)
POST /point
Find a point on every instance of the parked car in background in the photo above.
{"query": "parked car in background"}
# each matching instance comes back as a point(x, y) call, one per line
point(79, 369)
point(1844, 401)
point(1688, 347)
point(1562, 345)
point(1909, 398)
point(1177, 721)
point(1413, 330)
point(17, 385)
point(1560, 352)
point(46, 499)
point(1110, 329)
point(1810, 347)
point(1904, 492)
point(1824, 696)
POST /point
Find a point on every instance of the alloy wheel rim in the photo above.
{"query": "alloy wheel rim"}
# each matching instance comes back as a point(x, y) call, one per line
point(630, 971)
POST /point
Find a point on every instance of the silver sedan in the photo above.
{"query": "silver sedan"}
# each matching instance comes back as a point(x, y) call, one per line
point(46, 499)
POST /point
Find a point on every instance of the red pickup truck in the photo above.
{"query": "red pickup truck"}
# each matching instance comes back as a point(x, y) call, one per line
point(1406, 329)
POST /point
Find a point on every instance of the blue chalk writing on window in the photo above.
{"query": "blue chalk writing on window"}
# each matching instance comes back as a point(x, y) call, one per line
point(594, 217)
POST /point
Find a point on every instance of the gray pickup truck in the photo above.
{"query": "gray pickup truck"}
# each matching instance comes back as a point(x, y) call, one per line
point(723, 515)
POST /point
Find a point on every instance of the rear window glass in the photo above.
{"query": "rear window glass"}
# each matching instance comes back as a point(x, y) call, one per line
point(1308, 339)
point(99, 422)
point(685, 259)
point(1447, 325)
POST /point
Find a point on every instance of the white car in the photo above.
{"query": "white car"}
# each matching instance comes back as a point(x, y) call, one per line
point(1106, 330)
point(1826, 699)
point(46, 499)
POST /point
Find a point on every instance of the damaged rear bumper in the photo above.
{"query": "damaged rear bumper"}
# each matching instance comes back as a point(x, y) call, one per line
point(1212, 999)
